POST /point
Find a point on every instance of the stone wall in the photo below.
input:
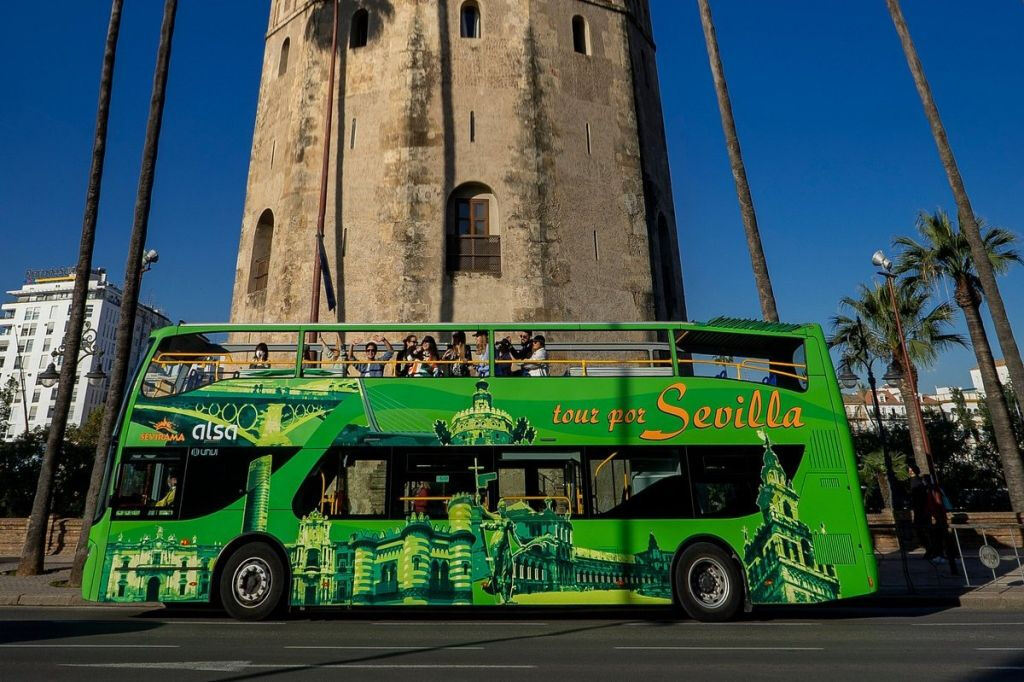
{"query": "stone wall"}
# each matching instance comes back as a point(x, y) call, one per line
point(62, 537)
point(998, 526)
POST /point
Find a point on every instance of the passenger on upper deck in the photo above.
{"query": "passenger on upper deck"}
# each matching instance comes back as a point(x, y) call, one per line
point(407, 355)
point(457, 356)
point(503, 358)
point(426, 360)
point(260, 357)
point(537, 365)
point(483, 355)
point(374, 366)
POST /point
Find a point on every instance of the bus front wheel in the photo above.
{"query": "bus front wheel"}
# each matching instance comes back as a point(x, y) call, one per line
point(252, 582)
point(708, 584)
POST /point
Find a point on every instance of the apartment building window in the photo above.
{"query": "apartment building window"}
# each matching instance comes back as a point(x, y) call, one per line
point(32, 313)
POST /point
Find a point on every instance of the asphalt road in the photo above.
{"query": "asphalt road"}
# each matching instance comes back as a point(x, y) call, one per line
point(820, 644)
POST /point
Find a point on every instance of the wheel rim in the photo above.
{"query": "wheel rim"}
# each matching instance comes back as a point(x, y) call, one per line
point(251, 582)
point(709, 582)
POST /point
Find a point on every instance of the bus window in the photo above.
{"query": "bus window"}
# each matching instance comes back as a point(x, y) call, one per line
point(540, 480)
point(639, 483)
point(726, 478)
point(189, 362)
point(429, 481)
point(771, 360)
point(148, 486)
point(345, 484)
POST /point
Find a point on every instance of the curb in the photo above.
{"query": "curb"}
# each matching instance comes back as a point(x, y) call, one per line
point(66, 600)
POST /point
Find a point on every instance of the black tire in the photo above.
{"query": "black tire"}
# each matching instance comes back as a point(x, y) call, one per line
point(708, 584)
point(252, 582)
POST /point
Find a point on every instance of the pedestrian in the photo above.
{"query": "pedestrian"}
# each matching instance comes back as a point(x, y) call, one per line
point(941, 543)
point(920, 516)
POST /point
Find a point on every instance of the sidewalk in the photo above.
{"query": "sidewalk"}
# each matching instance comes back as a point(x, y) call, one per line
point(939, 584)
point(932, 585)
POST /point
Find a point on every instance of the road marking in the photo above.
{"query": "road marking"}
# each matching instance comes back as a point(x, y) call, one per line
point(1000, 648)
point(400, 666)
point(1001, 667)
point(210, 666)
point(209, 622)
point(236, 666)
point(456, 623)
point(90, 646)
point(698, 624)
point(721, 648)
point(962, 625)
point(393, 648)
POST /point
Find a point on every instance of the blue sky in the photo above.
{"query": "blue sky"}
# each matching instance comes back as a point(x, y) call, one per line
point(838, 152)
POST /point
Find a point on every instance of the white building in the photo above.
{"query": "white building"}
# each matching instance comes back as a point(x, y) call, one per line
point(32, 326)
point(1002, 371)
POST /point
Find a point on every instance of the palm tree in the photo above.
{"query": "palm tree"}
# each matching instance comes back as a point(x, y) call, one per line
point(35, 539)
point(926, 331)
point(132, 282)
point(965, 214)
point(762, 279)
point(944, 254)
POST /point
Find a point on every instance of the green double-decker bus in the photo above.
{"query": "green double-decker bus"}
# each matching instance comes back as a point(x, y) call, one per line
point(264, 467)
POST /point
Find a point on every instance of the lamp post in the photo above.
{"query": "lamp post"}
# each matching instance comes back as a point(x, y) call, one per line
point(50, 376)
point(879, 260)
point(21, 372)
point(862, 356)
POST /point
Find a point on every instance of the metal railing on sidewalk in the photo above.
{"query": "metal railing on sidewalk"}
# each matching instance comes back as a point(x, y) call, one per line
point(989, 554)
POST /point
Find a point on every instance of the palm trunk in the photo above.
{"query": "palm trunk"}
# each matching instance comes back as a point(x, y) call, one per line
point(758, 261)
point(35, 541)
point(908, 391)
point(1013, 468)
point(965, 214)
point(883, 486)
point(132, 283)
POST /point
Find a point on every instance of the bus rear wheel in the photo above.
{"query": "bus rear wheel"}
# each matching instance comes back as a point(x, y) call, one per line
point(708, 585)
point(252, 582)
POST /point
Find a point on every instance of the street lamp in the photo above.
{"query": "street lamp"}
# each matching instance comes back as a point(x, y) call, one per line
point(148, 259)
point(846, 376)
point(50, 376)
point(879, 260)
point(892, 376)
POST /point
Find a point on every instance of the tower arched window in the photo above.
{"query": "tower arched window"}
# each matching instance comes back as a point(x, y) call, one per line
point(282, 62)
point(580, 35)
point(473, 240)
point(469, 20)
point(360, 31)
point(259, 266)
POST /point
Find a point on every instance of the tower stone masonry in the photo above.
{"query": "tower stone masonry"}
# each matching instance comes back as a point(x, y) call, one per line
point(491, 160)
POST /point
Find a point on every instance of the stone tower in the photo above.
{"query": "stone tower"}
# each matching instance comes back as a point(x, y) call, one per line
point(491, 160)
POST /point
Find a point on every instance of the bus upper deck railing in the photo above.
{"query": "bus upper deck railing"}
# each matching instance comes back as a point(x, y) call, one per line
point(237, 364)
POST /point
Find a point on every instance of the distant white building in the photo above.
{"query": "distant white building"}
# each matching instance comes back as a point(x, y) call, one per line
point(32, 326)
point(861, 415)
point(1002, 371)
